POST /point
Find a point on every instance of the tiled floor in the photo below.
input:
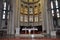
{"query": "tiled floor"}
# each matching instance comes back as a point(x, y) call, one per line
point(29, 39)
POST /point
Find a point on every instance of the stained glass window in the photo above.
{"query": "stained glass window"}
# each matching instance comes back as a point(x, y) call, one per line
point(21, 18)
point(36, 18)
point(21, 10)
point(30, 10)
point(36, 11)
point(25, 10)
point(25, 18)
point(30, 18)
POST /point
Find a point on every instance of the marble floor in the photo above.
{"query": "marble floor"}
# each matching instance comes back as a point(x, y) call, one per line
point(20, 38)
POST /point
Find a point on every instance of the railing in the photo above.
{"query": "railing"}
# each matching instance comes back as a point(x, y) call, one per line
point(29, 29)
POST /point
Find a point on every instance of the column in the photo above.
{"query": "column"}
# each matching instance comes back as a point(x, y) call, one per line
point(49, 19)
point(47, 25)
point(18, 17)
point(9, 26)
point(13, 17)
point(43, 14)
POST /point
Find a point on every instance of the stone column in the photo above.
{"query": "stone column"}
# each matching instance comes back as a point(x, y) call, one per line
point(18, 18)
point(10, 26)
point(42, 14)
point(46, 18)
point(13, 17)
point(50, 18)
point(9, 23)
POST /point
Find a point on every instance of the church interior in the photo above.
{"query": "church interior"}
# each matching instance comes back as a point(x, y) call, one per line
point(29, 19)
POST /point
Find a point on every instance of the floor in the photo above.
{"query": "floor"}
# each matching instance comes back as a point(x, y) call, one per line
point(29, 38)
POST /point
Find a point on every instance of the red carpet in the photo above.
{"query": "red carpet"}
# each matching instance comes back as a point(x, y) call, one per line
point(30, 39)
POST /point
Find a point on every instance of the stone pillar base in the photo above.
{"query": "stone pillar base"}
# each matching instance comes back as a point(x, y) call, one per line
point(17, 31)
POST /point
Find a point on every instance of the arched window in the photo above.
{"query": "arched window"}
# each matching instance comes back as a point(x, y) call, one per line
point(55, 12)
point(4, 10)
point(55, 8)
